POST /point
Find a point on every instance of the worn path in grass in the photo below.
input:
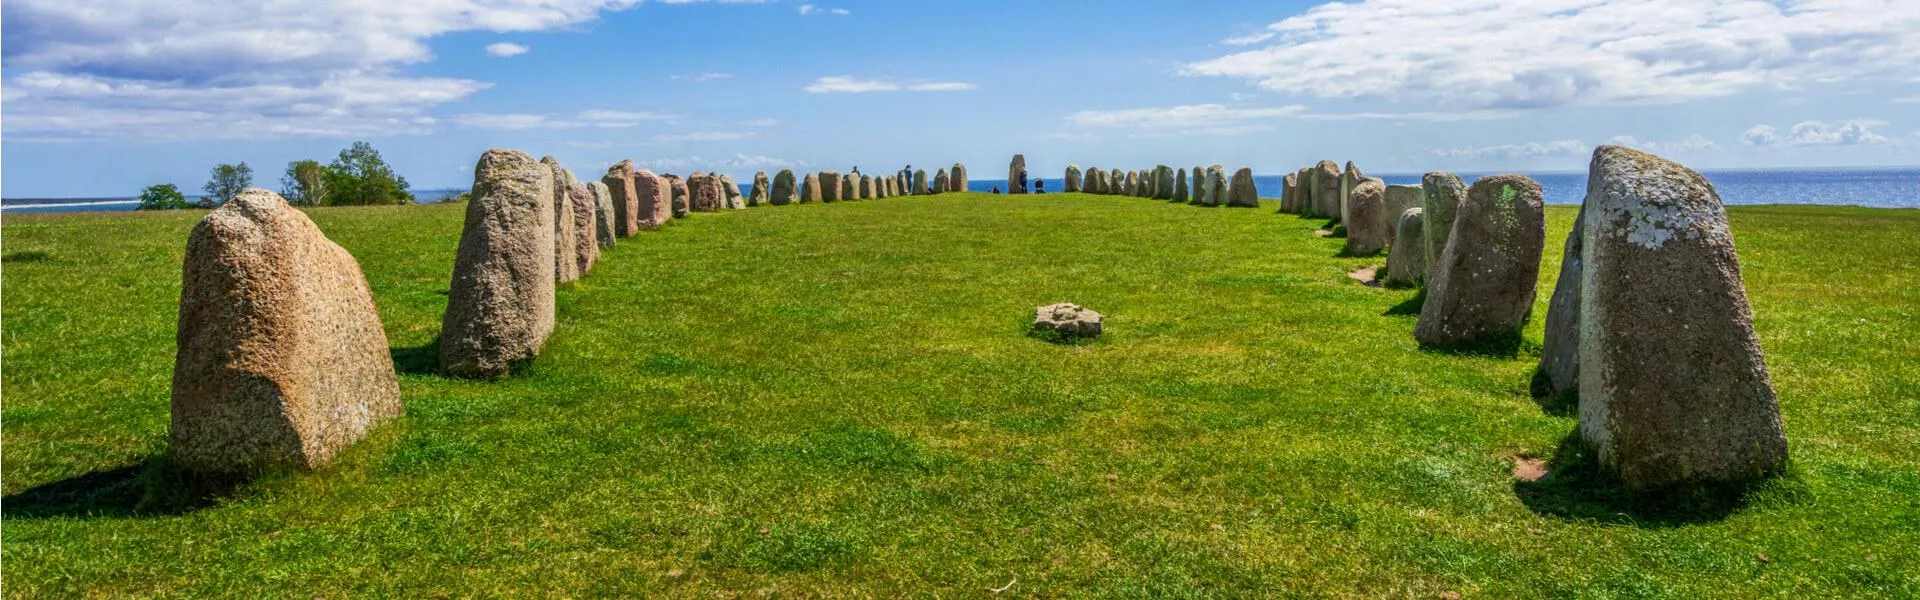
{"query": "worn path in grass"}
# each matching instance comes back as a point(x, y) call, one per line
point(838, 400)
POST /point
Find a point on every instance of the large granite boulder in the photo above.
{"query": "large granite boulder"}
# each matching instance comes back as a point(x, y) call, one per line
point(626, 207)
point(1067, 322)
point(1217, 186)
point(734, 201)
point(1017, 175)
point(681, 200)
point(1241, 193)
point(1407, 257)
point(920, 184)
point(1366, 227)
point(1163, 182)
point(704, 192)
point(586, 250)
point(1326, 190)
point(1674, 389)
point(783, 188)
point(866, 187)
point(1289, 185)
point(565, 268)
point(759, 195)
point(1441, 195)
point(829, 186)
point(1180, 186)
point(1131, 186)
point(957, 178)
point(280, 359)
point(810, 189)
point(500, 305)
point(1399, 199)
point(1560, 352)
point(1483, 288)
point(940, 182)
point(655, 197)
point(1202, 188)
point(849, 187)
point(1072, 179)
point(603, 229)
point(1303, 195)
point(1349, 179)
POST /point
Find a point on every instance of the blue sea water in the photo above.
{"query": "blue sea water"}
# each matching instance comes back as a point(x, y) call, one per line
point(1891, 187)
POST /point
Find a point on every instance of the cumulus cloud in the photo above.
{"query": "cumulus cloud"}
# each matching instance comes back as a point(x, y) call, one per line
point(761, 122)
point(809, 10)
point(703, 136)
point(702, 77)
point(1194, 116)
point(842, 84)
point(504, 49)
point(1497, 54)
point(600, 119)
point(1816, 133)
point(737, 162)
point(1557, 148)
point(1692, 143)
point(230, 69)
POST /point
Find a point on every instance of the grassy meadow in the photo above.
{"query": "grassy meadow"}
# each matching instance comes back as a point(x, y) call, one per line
point(841, 401)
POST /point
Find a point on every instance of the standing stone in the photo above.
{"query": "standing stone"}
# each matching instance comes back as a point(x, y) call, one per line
point(1674, 388)
point(500, 305)
point(655, 196)
point(957, 178)
point(1399, 199)
point(829, 186)
point(1366, 228)
point(1217, 186)
point(704, 192)
point(1017, 175)
point(1132, 185)
point(1116, 182)
point(1348, 180)
point(1288, 185)
point(1241, 192)
point(866, 187)
point(810, 189)
point(603, 230)
point(1163, 182)
point(1303, 194)
point(1407, 258)
point(681, 200)
point(1441, 195)
point(1483, 288)
point(1072, 179)
point(920, 187)
point(1326, 191)
point(732, 189)
point(586, 250)
point(849, 187)
point(1147, 183)
point(565, 267)
point(626, 209)
point(1199, 197)
point(1560, 351)
point(940, 182)
point(1180, 186)
point(783, 188)
point(280, 357)
point(759, 196)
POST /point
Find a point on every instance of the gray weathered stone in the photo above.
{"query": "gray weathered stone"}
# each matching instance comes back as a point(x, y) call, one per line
point(1068, 320)
point(1180, 186)
point(783, 188)
point(1072, 179)
point(829, 186)
point(1441, 195)
point(655, 197)
point(1017, 175)
point(500, 306)
point(810, 189)
point(1407, 257)
point(565, 267)
point(1326, 190)
point(603, 230)
point(680, 199)
point(849, 187)
point(1399, 199)
point(920, 184)
point(940, 182)
point(957, 178)
point(760, 195)
point(734, 201)
point(586, 250)
point(1241, 192)
point(1289, 185)
point(1560, 350)
point(1366, 228)
point(1163, 182)
point(1483, 288)
point(1217, 186)
point(704, 193)
point(626, 208)
point(280, 358)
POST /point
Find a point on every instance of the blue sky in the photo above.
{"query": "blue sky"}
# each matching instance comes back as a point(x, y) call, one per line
point(102, 98)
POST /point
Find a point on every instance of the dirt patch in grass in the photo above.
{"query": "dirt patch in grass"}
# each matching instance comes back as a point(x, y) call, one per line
point(1527, 468)
point(1367, 276)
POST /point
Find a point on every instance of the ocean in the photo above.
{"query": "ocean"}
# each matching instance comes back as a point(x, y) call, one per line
point(1890, 187)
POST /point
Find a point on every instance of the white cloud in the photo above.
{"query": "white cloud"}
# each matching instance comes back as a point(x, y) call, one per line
point(809, 10)
point(1914, 99)
point(1817, 133)
point(599, 119)
point(737, 162)
point(504, 49)
point(1557, 148)
point(1249, 39)
point(1480, 54)
point(840, 11)
point(703, 136)
point(43, 105)
point(1194, 116)
point(1692, 143)
point(842, 84)
point(702, 77)
point(761, 122)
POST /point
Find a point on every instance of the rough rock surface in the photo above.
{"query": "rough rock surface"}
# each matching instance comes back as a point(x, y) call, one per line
point(1072, 179)
point(760, 195)
point(1217, 186)
point(1068, 320)
point(829, 186)
point(655, 196)
point(940, 182)
point(1326, 190)
point(603, 230)
point(1407, 257)
point(734, 201)
point(1674, 389)
point(866, 187)
point(783, 188)
point(1289, 185)
point(565, 267)
point(626, 208)
point(280, 357)
point(586, 250)
point(1241, 192)
point(1483, 288)
point(1366, 226)
point(1399, 199)
point(1441, 195)
point(704, 193)
point(1303, 196)
point(1017, 175)
point(1163, 182)
point(810, 189)
point(849, 187)
point(500, 304)
point(957, 178)
point(920, 185)
point(681, 200)
point(1349, 179)
point(1131, 185)
point(1180, 186)
point(1560, 351)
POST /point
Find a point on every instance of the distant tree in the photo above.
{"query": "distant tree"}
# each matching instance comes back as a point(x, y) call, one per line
point(227, 181)
point(359, 176)
point(162, 196)
point(305, 183)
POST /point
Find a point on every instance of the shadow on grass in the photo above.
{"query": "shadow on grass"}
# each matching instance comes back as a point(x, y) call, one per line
point(1564, 404)
point(151, 487)
point(1409, 308)
point(418, 360)
point(1508, 345)
point(1577, 488)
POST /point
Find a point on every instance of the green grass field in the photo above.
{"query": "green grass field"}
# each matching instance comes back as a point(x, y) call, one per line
point(840, 401)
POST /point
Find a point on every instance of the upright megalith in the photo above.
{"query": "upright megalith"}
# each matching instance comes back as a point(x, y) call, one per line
point(1072, 179)
point(1407, 258)
point(626, 208)
point(1131, 185)
point(1349, 179)
point(1560, 351)
point(866, 187)
point(849, 188)
point(565, 267)
point(1303, 195)
point(1441, 195)
point(810, 189)
point(759, 196)
point(586, 250)
point(957, 178)
point(1241, 192)
point(1199, 186)
point(655, 195)
point(603, 228)
point(1017, 175)
point(1399, 199)
point(1326, 190)
point(500, 305)
point(734, 201)
point(1483, 288)
point(280, 359)
point(1289, 185)
point(829, 186)
point(920, 184)
point(940, 182)
point(783, 188)
point(704, 193)
point(1180, 186)
point(1217, 186)
point(678, 197)
point(1366, 226)
point(1674, 389)
point(1163, 182)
